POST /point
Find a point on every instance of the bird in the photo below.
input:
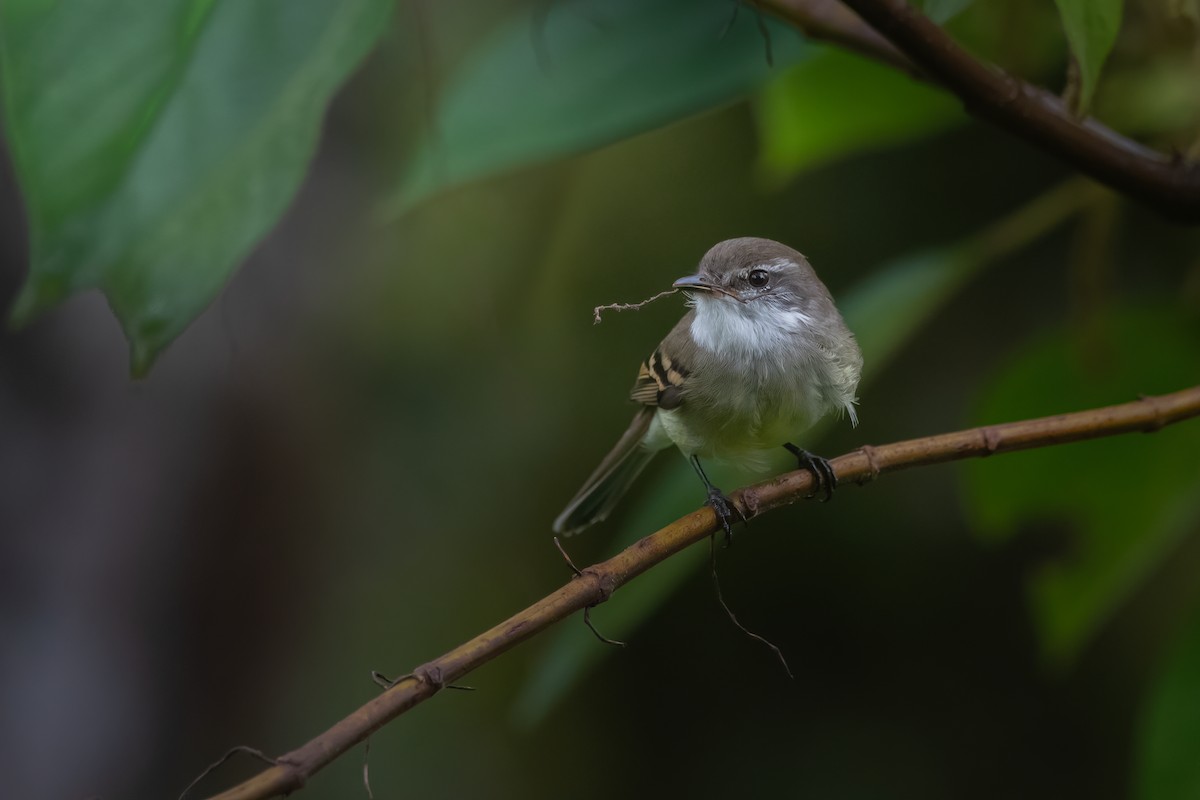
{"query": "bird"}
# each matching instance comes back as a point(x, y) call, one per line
point(759, 357)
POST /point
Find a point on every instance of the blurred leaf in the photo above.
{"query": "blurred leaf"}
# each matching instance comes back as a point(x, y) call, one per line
point(838, 104)
point(884, 311)
point(1128, 498)
point(942, 10)
point(1169, 741)
point(890, 306)
point(1155, 97)
point(1025, 36)
point(1185, 11)
point(589, 74)
point(156, 143)
point(1091, 27)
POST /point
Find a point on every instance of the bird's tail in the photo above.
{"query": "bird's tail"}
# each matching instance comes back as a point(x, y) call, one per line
point(611, 480)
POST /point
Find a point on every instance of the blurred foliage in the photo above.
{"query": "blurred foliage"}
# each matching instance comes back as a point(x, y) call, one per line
point(158, 143)
point(1128, 502)
point(942, 10)
point(805, 120)
point(528, 93)
point(352, 463)
point(1156, 98)
point(1168, 766)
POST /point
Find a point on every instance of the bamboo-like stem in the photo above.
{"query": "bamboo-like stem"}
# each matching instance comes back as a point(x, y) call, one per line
point(895, 33)
point(596, 584)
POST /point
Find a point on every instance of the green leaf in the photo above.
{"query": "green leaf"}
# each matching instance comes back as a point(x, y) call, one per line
point(839, 104)
point(942, 10)
point(156, 143)
point(1127, 499)
point(593, 73)
point(1091, 27)
point(1169, 741)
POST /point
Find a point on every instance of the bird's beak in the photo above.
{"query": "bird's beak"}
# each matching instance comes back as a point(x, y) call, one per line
point(694, 282)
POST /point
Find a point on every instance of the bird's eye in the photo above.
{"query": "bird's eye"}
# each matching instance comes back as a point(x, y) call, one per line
point(758, 278)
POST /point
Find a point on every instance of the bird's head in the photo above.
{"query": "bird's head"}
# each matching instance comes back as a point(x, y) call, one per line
point(760, 274)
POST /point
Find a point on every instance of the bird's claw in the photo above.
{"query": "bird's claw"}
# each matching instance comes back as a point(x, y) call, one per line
point(822, 471)
point(725, 510)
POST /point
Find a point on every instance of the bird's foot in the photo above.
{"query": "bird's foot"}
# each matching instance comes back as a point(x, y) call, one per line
point(726, 510)
point(822, 472)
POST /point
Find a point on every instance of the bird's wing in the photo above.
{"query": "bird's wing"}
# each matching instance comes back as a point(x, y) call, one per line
point(662, 378)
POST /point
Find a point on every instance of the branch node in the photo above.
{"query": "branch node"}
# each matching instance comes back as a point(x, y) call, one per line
point(1159, 420)
point(431, 675)
point(750, 502)
point(1014, 89)
point(991, 440)
point(606, 590)
point(873, 462)
point(605, 584)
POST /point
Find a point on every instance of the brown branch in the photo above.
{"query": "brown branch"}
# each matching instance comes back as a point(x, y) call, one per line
point(596, 584)
point(831, 21)
point(899, 35)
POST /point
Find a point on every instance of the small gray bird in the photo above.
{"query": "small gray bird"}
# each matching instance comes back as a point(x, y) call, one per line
point(760, 357)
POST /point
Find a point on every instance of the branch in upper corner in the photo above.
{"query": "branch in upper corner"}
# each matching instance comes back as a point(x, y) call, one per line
point(1168, 184)
point(831, 21)
point(595, 584)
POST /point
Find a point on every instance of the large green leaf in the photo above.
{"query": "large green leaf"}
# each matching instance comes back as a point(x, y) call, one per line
point(156, 142)
point(1169, 741)
point(589, 74)
point(1091, 27)
point(838, 104)
point(1127, 499)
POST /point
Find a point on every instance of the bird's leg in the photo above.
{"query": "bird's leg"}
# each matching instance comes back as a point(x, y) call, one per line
point(722, 505)
point(820, 468)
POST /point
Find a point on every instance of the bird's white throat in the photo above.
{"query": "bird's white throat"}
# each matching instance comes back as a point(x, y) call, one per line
point(727, 327)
